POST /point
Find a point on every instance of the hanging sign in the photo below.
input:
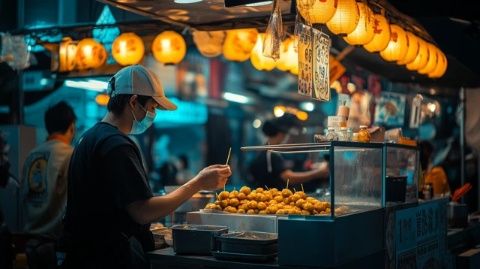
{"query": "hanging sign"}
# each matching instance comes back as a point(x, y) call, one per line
point(321, 73)
point(305, 61)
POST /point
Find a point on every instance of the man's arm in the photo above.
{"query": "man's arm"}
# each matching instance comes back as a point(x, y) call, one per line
point(302, 177)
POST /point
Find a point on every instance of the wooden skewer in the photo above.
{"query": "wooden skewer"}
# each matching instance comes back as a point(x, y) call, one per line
point(288, 180)
point(226, 163)
point(266, 187)
point(302, 187)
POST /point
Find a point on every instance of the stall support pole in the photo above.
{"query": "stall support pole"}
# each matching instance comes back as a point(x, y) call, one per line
point(462, 138)
point(17, 105)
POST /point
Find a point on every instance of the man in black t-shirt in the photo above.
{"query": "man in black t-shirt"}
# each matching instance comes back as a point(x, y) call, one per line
point(110, 204)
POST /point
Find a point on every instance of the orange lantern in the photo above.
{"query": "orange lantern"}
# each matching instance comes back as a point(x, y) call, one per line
point(432, 60)
point(345, 19)
point(239, 44)
point(381, 38)
point(363, 33)
point(259, 61)
point(209, 44)
point(90, 54)
point(67, 54)
point(128, 49)
point(288, 56)
point(317, 11)
point(412, 51)
point(169, 47)
point(102, 99)
point(397, 47)
point(422, 56)
point(441, 66)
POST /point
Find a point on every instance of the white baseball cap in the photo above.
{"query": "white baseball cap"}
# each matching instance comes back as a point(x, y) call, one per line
point(137, 79)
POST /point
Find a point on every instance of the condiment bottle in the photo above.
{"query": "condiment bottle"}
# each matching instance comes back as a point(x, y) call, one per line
point(331, 134)
point(342, 134)
point(363, 134)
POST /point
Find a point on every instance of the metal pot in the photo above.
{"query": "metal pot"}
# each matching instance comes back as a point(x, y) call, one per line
point(457, 215)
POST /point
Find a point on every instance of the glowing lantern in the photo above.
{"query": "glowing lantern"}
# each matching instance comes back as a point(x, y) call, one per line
point(294, 69)
point(363, 33)
point(412, 51)
point(381, 30)
point(128, 49)
point(441, 66)
point(259, 61)
point(345, 19)
point(169, 47)
point(422, 56)
point(239, 44)
point(288, 55)
point(317, 11)
point(102, 99)
point(432, 60)
point(209, 44)
point(67, 54)
point(397, 47)
point(90, 54)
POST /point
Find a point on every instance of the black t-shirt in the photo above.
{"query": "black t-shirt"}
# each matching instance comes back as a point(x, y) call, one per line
point(105, 175)
point(266, 169)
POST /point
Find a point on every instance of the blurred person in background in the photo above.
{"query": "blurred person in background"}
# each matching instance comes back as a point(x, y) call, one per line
point(434, 175)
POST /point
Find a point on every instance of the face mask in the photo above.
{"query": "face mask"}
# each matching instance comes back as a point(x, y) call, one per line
point(139, 127)
point(4, 173)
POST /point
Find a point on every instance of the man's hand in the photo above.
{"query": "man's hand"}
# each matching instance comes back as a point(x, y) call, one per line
point(213, 177)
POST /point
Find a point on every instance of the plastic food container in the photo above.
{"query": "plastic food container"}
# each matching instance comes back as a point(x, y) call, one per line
point(196, 239)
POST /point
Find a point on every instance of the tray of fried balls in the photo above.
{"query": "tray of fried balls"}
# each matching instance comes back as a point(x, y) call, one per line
point(269, 201)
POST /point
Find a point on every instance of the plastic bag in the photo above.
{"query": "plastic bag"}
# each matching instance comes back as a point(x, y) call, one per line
point(274, 33)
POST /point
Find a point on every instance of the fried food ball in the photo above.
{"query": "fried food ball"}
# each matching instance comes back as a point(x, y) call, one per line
point(278, 198)
point(233, 202)
point(233, 194)
point(308, 206)
point(259, 190)
point(244, 207)
point(260, 197)
point(252, 204)
point(256, 211)
point(310, 199)
point(223, 195)
point(286, 193)
point(251, 212)
point(272, 209)
point(245, 190)
point(268, 196)
point(241, 211)
point(320, 206)
point(281, 212)
point(291, 211)
point(210, 206)
point(252, 196)
point(301, 194)
point(273, 190)
point(295, 197)
point(241, 196)
point(222, 203)
point(230, 209)
point(261, 205)
point(262, 212)
point(286, 200)
point(305, 213)
point(300, 202)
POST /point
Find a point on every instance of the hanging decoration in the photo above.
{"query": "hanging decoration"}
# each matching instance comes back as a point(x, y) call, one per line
point(422, 56)
point(128, 49)
point(363, 33)
point(317, 11)
point(441, 67)
point(209, 43)
point(67, 54)
point(288, 56)
point(345, 19)
point(305, 61)
point(412, 49)
point(432, 60)
point(90, 54)
point(258, 60)
point(239, 44)
point(397, 47)
point(321, 76)
point(169, 47)
point(381, 30)
point(274, 33)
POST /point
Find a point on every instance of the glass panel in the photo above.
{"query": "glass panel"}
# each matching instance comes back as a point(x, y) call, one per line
point(402, 162)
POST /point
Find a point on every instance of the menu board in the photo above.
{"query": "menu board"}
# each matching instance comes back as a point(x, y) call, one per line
point(305, 60)
point(321, 71)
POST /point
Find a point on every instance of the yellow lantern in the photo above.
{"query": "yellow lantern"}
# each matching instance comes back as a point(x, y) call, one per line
point(67, 54)
point(259, 61)
point(169, 47)
point(128, 49)
point(412, 51)
point(288, 56)
point(381, 38)
point(441, 66)
point(422, 56)
point(294, 69)
point(432, 60)
point(90, 54)
point(209, 44)
point(397, 47)
point(317, 11)
point(345, 19)
point(363, 33)
point(239, 44)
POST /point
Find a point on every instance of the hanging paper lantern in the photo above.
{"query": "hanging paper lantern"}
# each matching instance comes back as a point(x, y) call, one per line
point(317, 11)
point(412, 51)
point(209, 44)
point(381, 30)
point(259, 61)
point(422, 56)
point(90, 54)
point(169, 47)
point(441, 66)
point(294, 69)
point(67, 54)
point(432, 60)
point(288, 56)
point(345, 19)
point(128, 49)
point(239, 44)
point(363, 33)
point(397, 47)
